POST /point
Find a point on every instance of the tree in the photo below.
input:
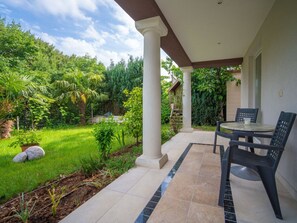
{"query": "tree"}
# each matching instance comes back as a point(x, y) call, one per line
point(12, 88)
point(133, 116)
point(209, 94)
point(173, 71)
point(122, 76)
point(79, 87)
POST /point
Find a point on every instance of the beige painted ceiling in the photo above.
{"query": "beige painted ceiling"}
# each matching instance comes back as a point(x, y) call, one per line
point(211, 31)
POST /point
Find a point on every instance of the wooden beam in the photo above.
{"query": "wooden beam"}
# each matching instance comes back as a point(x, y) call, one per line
point(218, 63)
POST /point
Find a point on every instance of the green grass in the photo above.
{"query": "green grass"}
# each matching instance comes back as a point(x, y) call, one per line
point(205, 127)
point(64, 148)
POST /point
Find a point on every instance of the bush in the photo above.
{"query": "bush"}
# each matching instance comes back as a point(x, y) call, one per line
point(133, 116)
point(89, 165)
point(26, 138)
point(166, 134)
point(120, 164)
point(104, 133)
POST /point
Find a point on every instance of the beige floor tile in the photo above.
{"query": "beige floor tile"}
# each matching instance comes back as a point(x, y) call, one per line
point(126, 181)
point(212, 159)
point(182, 186)
point(210, 170)
point(148, 184)
point(204, 196)
point(170, 210)
point(125, 211)
point(252, 203)
point(199, 213)
point(212, 181)
point(94, 208)
point(191, 166)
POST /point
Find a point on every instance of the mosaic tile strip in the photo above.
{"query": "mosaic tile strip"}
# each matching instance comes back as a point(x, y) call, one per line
point(229, 209)
point(147, 211)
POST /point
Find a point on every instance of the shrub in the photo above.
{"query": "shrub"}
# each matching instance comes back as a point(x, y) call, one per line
point(119, 165)
point(104, 133)
point(120, 137)
point(166, 134)
point(55, 198)
point(89, 165)
point(26, 138)
point(133, 116)
point(24, 213)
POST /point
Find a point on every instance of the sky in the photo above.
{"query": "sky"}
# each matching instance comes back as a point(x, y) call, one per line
point(95, 27)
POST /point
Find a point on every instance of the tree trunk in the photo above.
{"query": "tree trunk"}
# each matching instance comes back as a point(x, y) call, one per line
point(82, 112)
point(6, 128)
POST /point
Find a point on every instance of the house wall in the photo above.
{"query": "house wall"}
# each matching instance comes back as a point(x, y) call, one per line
point(277, 41)
point(233, 98)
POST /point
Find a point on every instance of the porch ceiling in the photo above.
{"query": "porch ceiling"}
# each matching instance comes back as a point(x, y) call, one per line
point(203, 33)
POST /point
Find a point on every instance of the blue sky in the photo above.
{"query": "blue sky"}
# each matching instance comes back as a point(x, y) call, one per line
point(97, 27)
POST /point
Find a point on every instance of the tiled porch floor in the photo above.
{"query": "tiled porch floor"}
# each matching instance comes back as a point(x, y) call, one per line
point(190, 197)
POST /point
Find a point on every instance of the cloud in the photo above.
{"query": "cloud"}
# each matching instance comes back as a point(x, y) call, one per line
point(92, 34)
point(75, 9)
point(4, 10)
point(66, 8)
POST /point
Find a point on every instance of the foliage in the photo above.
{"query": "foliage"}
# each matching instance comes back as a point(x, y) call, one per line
point(173, 71)
point(133, 116)
point(120, 137)
point(90, 164)
point(116, 166)
point(206, 128)
point(104, 133)
point(26, 138)
point(209, 94)
point(39, 108)
point(55, 198)
point(33, 73)
point(165, 105)
point(24, 212)
point(166, 133)
point(12, 88)
point(80, 85)
point(119, 77)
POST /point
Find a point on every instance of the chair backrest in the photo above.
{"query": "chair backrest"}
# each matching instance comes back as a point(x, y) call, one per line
point(280, 135)
point(242, 113)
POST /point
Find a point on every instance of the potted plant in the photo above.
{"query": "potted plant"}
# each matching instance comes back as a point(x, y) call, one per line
point(25, 139)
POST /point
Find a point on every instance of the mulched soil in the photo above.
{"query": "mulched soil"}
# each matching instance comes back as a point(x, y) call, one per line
point(76, 189)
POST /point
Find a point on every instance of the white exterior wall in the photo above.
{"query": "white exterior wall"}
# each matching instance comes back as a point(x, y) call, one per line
point(277, 41)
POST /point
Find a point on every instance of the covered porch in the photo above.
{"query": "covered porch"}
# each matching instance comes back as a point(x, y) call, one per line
point(258, 35)
point(188, 195)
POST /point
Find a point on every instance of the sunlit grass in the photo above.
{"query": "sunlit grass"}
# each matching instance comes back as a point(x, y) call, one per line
point(205, 127)
point(64, 148)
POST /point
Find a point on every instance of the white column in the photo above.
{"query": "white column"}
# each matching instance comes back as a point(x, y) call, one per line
point(152, 29)
point(187, 100)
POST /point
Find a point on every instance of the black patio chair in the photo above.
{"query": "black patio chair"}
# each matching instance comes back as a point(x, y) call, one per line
point(241, 113)
point(266, 165)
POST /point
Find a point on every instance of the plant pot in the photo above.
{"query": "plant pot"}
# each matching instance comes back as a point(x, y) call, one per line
point(24, 147)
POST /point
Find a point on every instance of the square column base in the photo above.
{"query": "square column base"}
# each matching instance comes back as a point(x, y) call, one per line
point(152, 163)
point(187, 130)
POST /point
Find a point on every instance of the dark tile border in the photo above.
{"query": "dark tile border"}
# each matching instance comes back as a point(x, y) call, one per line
point(229, 209)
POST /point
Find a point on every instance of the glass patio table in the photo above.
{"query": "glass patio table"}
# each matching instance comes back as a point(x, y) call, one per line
point(241, 171)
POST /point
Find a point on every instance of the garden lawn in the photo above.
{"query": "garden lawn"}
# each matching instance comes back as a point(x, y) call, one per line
point(64, 148)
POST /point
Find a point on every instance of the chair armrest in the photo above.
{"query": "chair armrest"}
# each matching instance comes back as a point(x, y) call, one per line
point(255, 145)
